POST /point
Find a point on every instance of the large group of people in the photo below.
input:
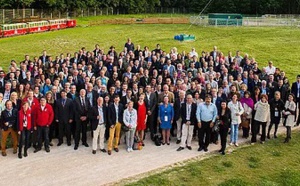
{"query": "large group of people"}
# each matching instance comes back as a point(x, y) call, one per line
point(139, 92)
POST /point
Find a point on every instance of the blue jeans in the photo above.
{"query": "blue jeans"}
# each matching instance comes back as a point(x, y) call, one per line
point(234, 133)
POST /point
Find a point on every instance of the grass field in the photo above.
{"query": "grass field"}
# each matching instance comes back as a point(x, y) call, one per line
point(281, 45)
point(271, 164)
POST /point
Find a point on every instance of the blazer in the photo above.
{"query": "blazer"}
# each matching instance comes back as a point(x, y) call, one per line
point(12, 120)
point(151, 102)
point(295, 89)
point(183, 112)
point(79, 110)
point(93, 113)
point(63, 113)
point(226, 118)
point(95, 97)
point(112, 119)
point(170, 95)
point(177, 109)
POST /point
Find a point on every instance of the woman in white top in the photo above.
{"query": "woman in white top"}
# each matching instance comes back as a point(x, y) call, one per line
point(289, 115)
point(130, 120)
point(236, 111)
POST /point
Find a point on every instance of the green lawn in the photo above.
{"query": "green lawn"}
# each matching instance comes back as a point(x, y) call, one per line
point(281, 45)
point(270, 164)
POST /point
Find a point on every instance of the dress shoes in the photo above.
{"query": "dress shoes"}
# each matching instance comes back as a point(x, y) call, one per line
point(76, 147)
point(189, 147)
point(180, 149)
point(103, 150)
point(59, 144)
point(200, 149)
point(94, 151)
point(85, 144)
point(109, 152)
point(116, 149)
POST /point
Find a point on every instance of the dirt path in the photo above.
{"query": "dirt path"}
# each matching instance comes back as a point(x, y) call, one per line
point(64, 166)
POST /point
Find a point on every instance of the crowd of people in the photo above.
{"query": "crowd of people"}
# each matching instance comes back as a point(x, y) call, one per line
point(141, 91)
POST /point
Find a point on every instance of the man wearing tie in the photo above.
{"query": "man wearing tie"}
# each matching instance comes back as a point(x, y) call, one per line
point(98, 119)
point(115, 120)
point(296, 92)
point(178, 103)
point(82, 106)
point(188, 115)
point(64, 117)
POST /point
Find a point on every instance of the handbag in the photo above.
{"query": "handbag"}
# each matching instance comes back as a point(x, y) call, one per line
point(245, 122)
point(124, 128)
point(216, 127)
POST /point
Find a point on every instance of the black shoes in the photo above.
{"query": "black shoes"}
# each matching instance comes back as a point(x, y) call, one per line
point(205, 149)
point(94, 151)
point(47, 150)
point(69, 143)
point(76, 147)
point(200, 149)
point(36, 150)
point(189, 147)
point(178, 141)
point(59, 144)
point(180, 149)
point(25, 154)
point(20, 155)
point(85, 144)
point(116, 149)
point(103, 150)
point(268, 136)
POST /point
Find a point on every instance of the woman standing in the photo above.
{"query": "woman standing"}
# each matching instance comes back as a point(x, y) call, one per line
point(248, 105)
point(236, 111)
point(130, 120)
point(15, 100)
point(276, 108)
point(24, 128)
point(289, 113)
point(142, 118)
point(225, 120)
point(165, 118)
point(262, 116)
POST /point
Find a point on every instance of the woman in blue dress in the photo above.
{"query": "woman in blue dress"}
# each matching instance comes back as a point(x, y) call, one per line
point(165, 118)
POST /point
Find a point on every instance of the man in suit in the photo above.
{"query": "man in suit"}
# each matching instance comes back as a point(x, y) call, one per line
point(272, 85)
point(81, 106)
point(64, 117)
point(151, 101)
point(92, 95)
point(165, 93)
point(44, 57)
point(189, 120)
point(284, 91)
point(72, 94)
point(170, 68)
point(177, 109)
point(28, 79)
point(214, 53)
point(128, 98)
point(296, 92)
point(98, 120)
point(115, 120)
point(7, 91)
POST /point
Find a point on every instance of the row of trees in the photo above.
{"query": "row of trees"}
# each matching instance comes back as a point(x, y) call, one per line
point(139, 6)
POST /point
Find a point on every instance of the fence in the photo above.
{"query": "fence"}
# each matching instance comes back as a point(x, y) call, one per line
point(247, 21)
point(25, 15)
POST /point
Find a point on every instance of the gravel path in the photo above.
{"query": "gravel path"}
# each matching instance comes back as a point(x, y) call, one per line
point(65, 166)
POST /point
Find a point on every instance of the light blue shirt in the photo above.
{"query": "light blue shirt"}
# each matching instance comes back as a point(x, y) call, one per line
point(100, 111)
point(206, 112)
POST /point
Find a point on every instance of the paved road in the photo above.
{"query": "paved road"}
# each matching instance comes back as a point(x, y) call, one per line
point(64, 166)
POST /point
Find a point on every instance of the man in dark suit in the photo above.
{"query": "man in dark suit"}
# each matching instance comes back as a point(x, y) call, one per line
point(44, 57)
point(272, 85)
point(98, 118)
point(115, 120)
point(296, 91)
point(77, 80)
point(128, 98)
point(64, 117)
point(188, 114)
point(151, 101)
point(177, 109)
point(92, 95)
point(81, 106)
point(284, 91)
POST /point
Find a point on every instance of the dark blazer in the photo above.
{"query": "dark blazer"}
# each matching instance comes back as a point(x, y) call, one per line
point(95, 97)
point(284, 92)
point(151, 103)
point(218, 102)
point(12, 120)
point(124, 100)
point(226, 118)
point(183, 111)
point(177, 109)
point(93, 113)
point(144, 81)
point(69, 95)
point(79, 110)
point(273, 105)
point(295, 90)
point(112, 114)
point(64, 113)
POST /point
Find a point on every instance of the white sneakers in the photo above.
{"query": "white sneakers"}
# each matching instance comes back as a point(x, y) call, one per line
point(236, 144)
point(129, 150)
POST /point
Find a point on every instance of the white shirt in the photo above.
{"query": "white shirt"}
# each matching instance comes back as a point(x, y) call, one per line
point(188, 111)
point(270, 70)
point(43, 107)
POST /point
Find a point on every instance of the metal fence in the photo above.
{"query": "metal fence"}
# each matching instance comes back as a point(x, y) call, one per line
point(25, 15)
point(247, 21)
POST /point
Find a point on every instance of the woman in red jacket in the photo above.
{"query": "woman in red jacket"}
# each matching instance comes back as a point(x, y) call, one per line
point(24, 128)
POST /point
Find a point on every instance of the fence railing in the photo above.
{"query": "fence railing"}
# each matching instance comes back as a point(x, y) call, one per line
point(23, 15)
point(246, 21)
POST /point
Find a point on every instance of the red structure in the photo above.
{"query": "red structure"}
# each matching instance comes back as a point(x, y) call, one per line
point(8, 30)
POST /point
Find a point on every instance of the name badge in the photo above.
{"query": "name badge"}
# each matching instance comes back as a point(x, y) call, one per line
point(166, 118)
point(276, 114)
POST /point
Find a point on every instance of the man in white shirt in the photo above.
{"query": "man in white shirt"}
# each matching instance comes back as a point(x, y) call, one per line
point(270, 69)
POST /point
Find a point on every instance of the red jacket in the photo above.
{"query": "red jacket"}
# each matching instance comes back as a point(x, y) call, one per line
point(34, 103)
point(43, 117)
point(28, 115)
